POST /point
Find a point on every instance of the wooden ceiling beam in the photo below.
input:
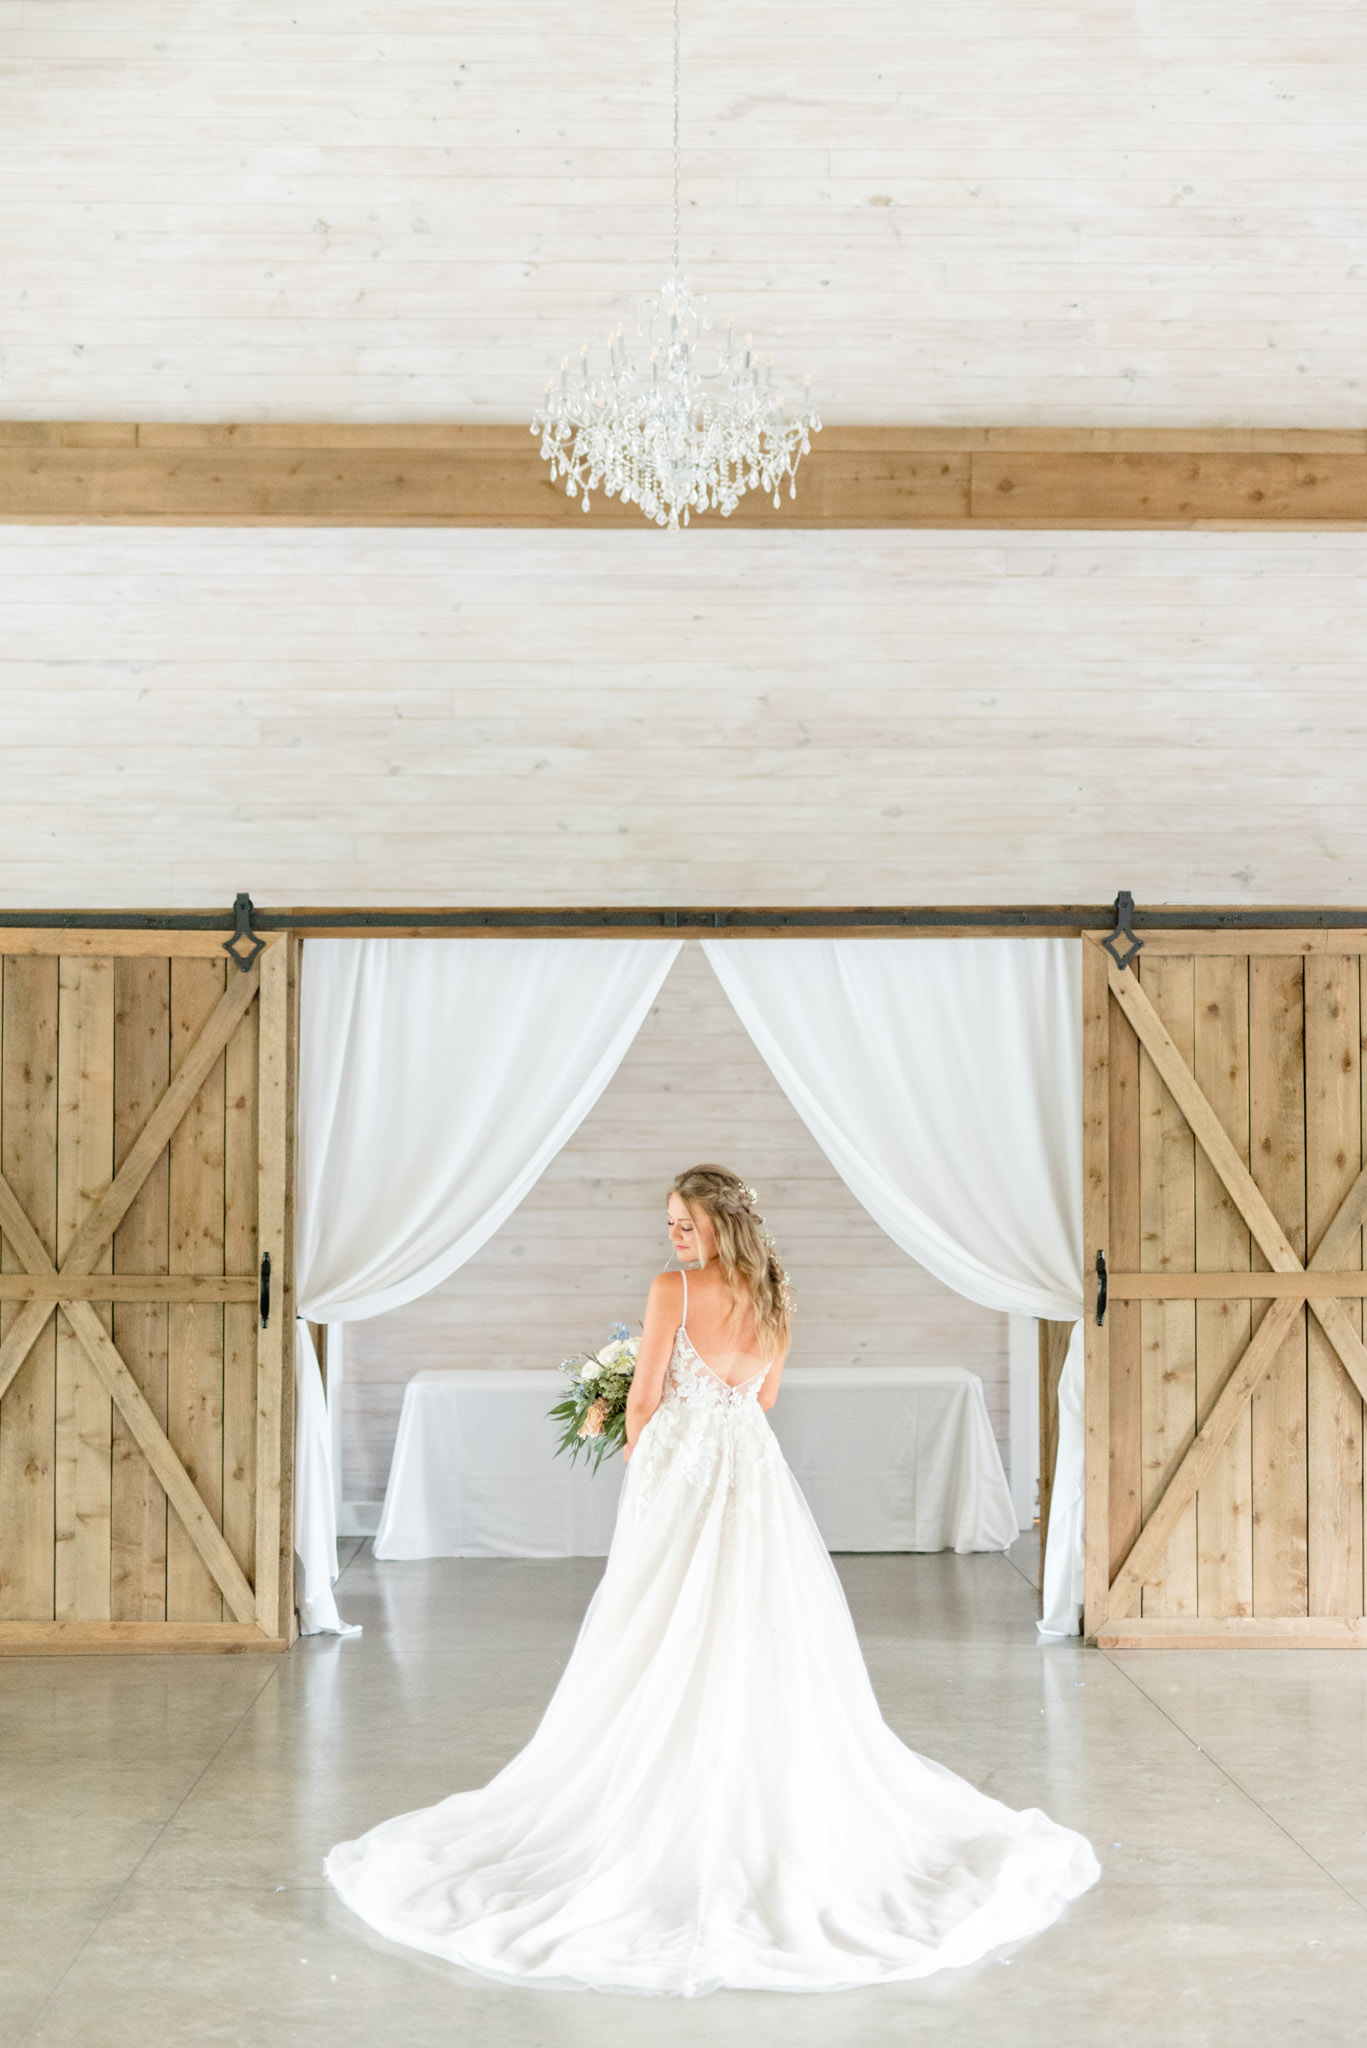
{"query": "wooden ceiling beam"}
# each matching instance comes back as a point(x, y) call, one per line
point(169, 474)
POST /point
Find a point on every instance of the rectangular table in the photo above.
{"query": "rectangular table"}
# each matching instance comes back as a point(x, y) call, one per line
point(890, 1458)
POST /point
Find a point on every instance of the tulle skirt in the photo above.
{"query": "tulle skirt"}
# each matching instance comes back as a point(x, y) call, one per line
point(712, 1797)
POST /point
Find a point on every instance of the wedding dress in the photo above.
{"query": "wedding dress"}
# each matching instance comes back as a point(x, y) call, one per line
point(712, 1797)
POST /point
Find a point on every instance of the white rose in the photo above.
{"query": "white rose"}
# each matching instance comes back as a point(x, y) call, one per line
point(590, 1372)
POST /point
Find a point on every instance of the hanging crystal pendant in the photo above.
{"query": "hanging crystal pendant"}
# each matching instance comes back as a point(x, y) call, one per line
point(654, 435)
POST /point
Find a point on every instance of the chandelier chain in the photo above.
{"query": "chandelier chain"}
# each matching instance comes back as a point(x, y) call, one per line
point(676, 138)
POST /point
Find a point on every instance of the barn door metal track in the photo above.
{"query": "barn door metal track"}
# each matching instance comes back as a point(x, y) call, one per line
point(1124, 921)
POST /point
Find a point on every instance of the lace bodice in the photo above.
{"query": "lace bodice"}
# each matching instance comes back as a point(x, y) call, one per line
point(712, 1431)
point(690, 1378)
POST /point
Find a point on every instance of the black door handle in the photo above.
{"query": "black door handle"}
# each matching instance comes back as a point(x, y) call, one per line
point(1100, 1288)
point(265, 1289)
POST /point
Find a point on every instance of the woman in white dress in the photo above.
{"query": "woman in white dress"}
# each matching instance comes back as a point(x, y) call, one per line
point(712, 1798)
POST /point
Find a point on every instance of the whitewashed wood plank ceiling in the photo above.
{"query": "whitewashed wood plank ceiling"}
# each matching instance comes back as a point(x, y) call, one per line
point(467, 717)
point(965, 211)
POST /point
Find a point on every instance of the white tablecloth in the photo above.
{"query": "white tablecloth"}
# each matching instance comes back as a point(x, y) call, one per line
point(891, 1458)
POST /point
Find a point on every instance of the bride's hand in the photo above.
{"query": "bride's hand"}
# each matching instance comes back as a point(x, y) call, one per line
point(626, 1454)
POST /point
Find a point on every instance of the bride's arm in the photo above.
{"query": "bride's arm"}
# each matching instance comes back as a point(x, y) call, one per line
point(768, 1393)
point(664, 1309)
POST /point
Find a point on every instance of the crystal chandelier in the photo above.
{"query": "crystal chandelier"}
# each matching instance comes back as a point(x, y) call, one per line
point(653, 434)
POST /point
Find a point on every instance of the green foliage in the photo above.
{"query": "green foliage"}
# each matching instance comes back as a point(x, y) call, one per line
point(603, 1378)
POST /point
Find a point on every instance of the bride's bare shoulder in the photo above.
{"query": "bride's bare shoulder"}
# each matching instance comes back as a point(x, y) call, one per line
point(664, 1303)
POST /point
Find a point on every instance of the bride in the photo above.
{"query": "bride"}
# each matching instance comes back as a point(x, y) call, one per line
point(712, 1797)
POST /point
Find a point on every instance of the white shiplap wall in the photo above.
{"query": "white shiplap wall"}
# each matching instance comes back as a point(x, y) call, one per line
point(580, 1252)
point(705, 718)
point(1143, 211)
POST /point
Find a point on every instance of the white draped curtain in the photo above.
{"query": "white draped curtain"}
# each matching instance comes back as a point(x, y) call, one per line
point(438, 1079)
point(942, 1078)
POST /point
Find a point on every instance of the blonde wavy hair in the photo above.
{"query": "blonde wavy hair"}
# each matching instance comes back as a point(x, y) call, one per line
point(745, 1250)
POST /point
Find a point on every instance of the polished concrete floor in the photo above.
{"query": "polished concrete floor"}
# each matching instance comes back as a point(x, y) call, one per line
point(162, 1822)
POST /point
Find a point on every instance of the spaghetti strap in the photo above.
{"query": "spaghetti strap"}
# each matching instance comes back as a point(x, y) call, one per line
point(684, 1324)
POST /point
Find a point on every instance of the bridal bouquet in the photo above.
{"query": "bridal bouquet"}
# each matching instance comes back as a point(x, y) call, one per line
point(593, 1415)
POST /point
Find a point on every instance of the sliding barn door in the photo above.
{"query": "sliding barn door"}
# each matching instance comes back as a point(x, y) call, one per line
point(145, 1409)
point(1225, 1192)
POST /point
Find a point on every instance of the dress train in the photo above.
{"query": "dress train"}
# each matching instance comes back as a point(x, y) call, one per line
point(712, 1797)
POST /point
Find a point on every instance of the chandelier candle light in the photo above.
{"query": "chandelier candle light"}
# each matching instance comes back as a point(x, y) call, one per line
point(653, 435)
